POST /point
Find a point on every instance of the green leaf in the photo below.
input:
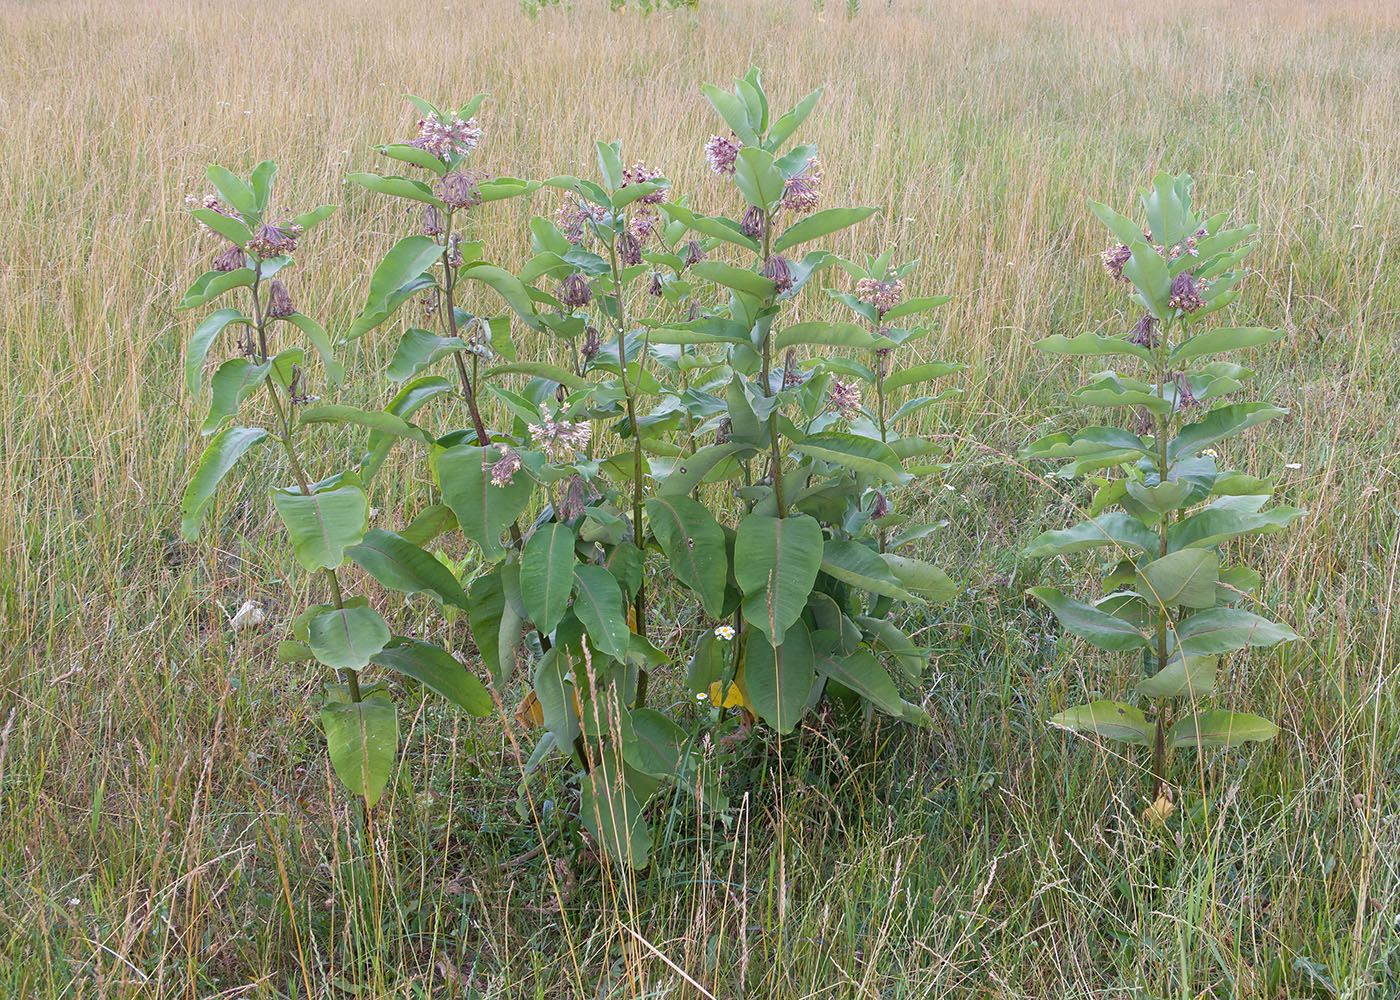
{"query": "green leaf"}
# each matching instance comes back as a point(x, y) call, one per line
point(855, 564)
point(405, 153)
point(863, 674)
point(1219, 728)
point(912, 307)
point(1124, 228)
point(1113, 443)
point(315, 217)
point(401, 565)
point(1123, 531)
point(211, 284)
point(375, 420)
point(912, 658)
point(483, 509)
point(690, 472)
point(779, 680)
point(655, 747)
point(347, 638)
point(405, 261)
point(819, 224)
point(720, 228)
point(1221, 630)
point(1218, 424)
point(783, 128)
point(262, 177)
point(222, 454)
point(230, 229)
point(438, 670)
point(398, 187)
point(323, 525)
point(1088, 622)
point(363, 739)
point(1091, 345)
point(776, 561)
point(598, 604)
point(233, 189)
point(547, 574)
point(610, 810)
point(852, 451)
point(1186, 578)
point(831, 335)
point(556, 695)
point(1222, 339)
point(431, 522)
point(201, 340)
point(235, 381)
point(919, 374)
point(537, 369)
point(694, 543)
point(1109, 719)
point(1216, 523)
point(507, 285)
point(921, 577)
point(417, 349)
point(492, 620)
point(1148, 272)
point(1182, 677)
point(406, 402)
point(316, 333)
point(734, 112)
point(738, 278)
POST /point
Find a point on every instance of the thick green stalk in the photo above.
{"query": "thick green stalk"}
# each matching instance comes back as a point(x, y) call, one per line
point(773, 438)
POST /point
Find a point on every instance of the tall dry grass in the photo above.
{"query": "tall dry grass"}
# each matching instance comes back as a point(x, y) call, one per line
point(167, 827)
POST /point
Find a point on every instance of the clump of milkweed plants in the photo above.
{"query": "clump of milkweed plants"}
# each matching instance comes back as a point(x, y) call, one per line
point(1167, 505)
point(685, 437)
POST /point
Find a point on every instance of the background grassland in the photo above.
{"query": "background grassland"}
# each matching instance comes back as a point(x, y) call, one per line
point(167, 823)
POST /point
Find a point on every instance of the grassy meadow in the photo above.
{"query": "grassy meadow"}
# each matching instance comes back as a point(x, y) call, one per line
point(169, 826)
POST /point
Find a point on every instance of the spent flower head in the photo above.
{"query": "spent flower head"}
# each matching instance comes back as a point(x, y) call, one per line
point(883, 295)
point(803, 193)
point(844, 398)
point(231, 259)
point(1185, 294)
point(640, 173)
point(505, 468)
point(1114, 258)
point(459, 190)
point(559, 438)
point(273, 240)
point(279, 300)
point(575, 291)
point(779, 271)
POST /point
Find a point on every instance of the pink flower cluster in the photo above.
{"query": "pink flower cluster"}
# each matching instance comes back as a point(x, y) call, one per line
point(639, 173)
point(446, 139)
point(883, 295)
point(722, 153)
point(559, 438)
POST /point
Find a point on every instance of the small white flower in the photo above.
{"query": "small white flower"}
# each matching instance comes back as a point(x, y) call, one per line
point(75, 901)
point(1294, 465)
point(1210, 453)
point(949, 487)
point(725, 632)
point(249, 615)
point(702, 696)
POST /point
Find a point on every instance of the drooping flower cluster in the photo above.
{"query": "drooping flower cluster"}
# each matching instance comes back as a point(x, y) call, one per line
point(883, 295)
point(592, 342)
point(572, 218)
point(559, 438)
point(722, 152)
point(1185, 294)
point(844, 398)
point(692, 252)
point(458, 190)
point(432, 221)
point(231, 259)
point(879, 506)
point(505, 468)
point(279, 300)
point(1185, 397)
point(753, 221)
point(1114, 258)
point(446, 139)
point(803, 193)
point(271, 240)
point(1144, 333)
point(639, 173)
point(779, 271)
point(575, 292)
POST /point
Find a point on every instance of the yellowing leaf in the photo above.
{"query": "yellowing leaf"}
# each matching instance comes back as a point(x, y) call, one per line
point(732, 698)
point(530, 713)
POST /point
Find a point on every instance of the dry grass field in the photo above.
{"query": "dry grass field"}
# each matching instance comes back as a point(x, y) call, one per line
point(168, 824)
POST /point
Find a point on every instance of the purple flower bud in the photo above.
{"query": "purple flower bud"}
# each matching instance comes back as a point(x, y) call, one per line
point(752, 222)
point(279, 300)
point(432, 221)
point(880, 506)
point(231, 259)
point(575, 292)
point(592, 342)
point(655, 287)
point(693, 253)
point(273, 241)
point(778, 271)
point(459, 190)
point(1185, 294)
point(721, 153)
point(629, 249)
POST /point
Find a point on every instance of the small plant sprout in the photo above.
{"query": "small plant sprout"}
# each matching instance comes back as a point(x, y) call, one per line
point(1174, 600)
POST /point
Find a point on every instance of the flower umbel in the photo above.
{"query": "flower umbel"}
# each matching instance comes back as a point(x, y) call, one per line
point(505, 469)
point(575, 292)
point(274, 241)
point(803, 193)
point(639, 173)
point(883, 295)
point(1113, 260)
point(559, 438)
point(1185, 294)
point(778, 271)
point(844, 398)
point(1144, 334)
point(459, 190)
point(279, 300)
point(449, 138)
point(721, 153)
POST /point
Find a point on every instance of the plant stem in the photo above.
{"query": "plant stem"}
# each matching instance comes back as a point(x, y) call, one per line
point(765, 378)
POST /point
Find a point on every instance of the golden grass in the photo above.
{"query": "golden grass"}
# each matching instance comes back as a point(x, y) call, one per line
point(136, 780)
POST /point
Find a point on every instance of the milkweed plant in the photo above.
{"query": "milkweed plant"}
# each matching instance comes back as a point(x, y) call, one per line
point(1166, 505)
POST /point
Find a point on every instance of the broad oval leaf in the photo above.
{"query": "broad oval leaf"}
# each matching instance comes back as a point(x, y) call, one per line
point(863, 674)
point(437, 669)
point(694, 543)
point(222, 454)
point(1110, 719)
point(363, 740)
point(323, 525)
point(547, 574)
point(1088, 622)
point(401, 565)
point(347, 638)
point(1219, 728)
point(779, 679)
point(819, 224)
point(855, 452)
point(855, 564)
point(598, 605)
point(483, 509)
point(776, 561)
point(1186, 578)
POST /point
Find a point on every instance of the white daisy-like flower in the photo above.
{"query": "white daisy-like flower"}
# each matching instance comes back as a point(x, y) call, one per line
point(725, 632)
point(1210, 453)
